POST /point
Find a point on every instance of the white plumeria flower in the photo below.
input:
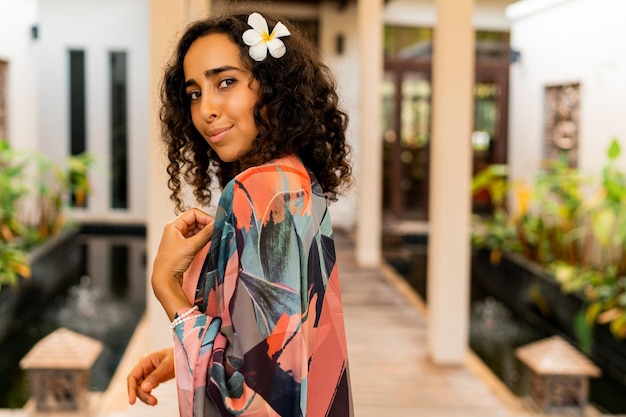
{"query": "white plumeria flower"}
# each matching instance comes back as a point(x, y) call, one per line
point(260, 40)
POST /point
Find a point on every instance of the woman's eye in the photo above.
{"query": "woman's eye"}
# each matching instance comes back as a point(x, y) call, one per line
point(227, 82)
point(194, 95)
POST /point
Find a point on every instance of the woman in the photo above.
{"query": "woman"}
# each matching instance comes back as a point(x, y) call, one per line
point(253, 294)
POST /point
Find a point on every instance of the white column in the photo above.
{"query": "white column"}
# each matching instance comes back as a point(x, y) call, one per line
point(197, 9)
point(450, 161)
point(369, 153)
point(167, 19)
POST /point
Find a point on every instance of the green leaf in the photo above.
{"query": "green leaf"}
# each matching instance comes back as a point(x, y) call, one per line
point(614, 150)
point(618, 326)
point(564, 273)
point(584, 333)
point(593, 311)
point(621, 299)
point(602, 224)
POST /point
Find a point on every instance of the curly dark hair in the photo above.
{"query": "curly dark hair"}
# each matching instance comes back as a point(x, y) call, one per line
point(297, 113)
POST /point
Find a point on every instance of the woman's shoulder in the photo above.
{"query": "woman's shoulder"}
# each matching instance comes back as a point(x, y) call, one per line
point(263, 186)
point(288, 171)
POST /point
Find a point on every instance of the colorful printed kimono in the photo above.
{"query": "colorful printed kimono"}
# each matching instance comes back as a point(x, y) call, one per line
point(269, 337)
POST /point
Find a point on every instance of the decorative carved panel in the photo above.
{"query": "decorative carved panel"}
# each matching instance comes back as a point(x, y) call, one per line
point(562, 116)
point(565, 395)
point(60, 389)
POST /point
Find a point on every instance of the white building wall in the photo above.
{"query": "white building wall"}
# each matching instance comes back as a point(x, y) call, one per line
point(19, 49)
point(98, 28)
point(562, 42)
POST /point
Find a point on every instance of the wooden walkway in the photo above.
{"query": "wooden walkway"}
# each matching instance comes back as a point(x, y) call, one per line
point(390, 370)
point(391, 373)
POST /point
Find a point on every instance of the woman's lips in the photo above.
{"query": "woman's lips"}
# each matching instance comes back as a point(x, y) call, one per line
point(216, 135)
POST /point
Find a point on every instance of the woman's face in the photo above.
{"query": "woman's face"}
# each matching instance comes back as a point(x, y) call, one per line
point(222, 95)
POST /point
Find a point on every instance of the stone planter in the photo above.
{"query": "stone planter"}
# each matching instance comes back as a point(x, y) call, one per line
point(8, 305)
point(53, 265)
point(528, 290)
point(534, 294)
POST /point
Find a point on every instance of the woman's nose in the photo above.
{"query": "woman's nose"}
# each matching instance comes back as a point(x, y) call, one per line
point(208, 107)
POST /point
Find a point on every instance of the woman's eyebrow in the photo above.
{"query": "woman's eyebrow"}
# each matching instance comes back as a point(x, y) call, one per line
point(212, 72)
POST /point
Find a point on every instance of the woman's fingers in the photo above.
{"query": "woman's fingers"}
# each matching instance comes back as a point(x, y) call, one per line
point(192, 221)
point(134, 381)
point(152, 369)
point(202, 236)
point(146, 397)
point(184, 236)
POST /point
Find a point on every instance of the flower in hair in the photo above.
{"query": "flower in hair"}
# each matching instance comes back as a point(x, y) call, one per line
point(260, 40)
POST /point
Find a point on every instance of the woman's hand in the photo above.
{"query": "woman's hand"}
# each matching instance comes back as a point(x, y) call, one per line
point(182, 238)
point(152, 369)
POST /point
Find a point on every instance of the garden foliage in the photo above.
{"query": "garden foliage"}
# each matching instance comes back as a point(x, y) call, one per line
point(571, 223)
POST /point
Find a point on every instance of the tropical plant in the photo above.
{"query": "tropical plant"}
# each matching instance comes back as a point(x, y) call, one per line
point(13, 264)
point(572, 224)
point(12, 189)
point(497, 233)
point(78, 177)
point(33, 194)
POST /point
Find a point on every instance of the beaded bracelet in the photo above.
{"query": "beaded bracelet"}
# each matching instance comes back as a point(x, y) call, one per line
point(182, 318)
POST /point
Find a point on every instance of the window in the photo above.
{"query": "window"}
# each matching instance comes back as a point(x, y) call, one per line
point(119, 131)
point(78, 129)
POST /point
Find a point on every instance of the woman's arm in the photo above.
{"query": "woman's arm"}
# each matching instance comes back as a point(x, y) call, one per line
point(182, 238)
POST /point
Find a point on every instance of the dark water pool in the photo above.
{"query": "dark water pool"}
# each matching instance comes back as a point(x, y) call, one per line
point(105, 301)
